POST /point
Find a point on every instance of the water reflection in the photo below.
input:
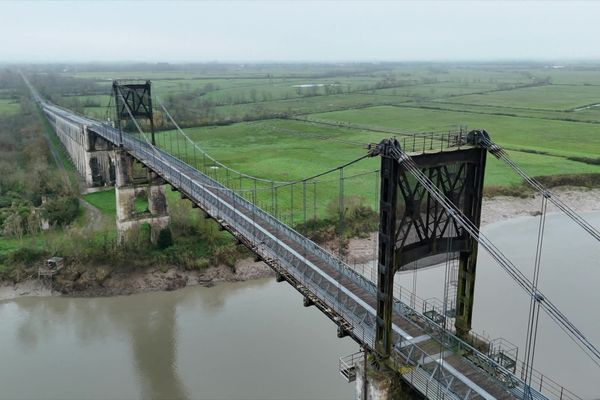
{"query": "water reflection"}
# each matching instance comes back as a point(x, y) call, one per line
point(153, 341)
point(255, 340)
point(150, 328)
point(131, 347)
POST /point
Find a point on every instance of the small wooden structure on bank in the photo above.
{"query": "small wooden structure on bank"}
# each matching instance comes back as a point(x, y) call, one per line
point(52, 266)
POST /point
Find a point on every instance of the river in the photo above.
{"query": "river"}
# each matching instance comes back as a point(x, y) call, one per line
point(254, 340)
point(569, 277)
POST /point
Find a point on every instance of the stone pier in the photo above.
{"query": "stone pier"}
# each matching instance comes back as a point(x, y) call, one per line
point(99, 160)
point(135, 182)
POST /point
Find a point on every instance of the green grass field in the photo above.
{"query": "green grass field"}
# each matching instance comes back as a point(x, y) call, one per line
point(288, 150)
point(105, 201)
point(563, 138)
point(552, 97)
point(437, 90)
point(9, 107)
point(391, 98)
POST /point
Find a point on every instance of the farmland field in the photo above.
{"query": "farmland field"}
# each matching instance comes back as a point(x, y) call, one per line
point(557, 137)
point(9, 107)
point(287, 122)
point(551, 97)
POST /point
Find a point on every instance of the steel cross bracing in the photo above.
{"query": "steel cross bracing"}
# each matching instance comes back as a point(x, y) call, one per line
point(335, 288)
point(406, 161)
point(434, 225)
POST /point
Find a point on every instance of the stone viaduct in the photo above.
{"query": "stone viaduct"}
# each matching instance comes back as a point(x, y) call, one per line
point(102, 164)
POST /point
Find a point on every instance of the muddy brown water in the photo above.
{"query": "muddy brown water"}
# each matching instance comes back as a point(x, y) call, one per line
point(250, 340)
point(254, 340)
point(569, 277)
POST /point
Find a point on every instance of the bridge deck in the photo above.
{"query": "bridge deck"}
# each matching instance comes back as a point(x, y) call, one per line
point(344, 295)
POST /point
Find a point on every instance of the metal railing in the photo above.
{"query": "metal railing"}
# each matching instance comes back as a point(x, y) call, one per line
point(542, 387)
point(479, 350)
point(273, 240)
point(347, 365)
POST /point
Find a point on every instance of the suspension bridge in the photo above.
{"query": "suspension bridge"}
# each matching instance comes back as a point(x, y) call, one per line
point(429, 191)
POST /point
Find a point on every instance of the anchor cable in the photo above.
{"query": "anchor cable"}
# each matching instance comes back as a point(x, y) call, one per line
point(501, 154)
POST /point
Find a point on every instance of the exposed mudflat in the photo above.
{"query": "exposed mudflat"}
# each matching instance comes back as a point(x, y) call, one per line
point(501, 208)
point(32, 288)
point(101, 281)
point(494, 209)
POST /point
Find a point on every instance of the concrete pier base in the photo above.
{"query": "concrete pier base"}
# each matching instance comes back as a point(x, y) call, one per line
point(138, 183)
point(382, 385)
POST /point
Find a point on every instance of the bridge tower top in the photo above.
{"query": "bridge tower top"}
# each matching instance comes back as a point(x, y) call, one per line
point(133, 98)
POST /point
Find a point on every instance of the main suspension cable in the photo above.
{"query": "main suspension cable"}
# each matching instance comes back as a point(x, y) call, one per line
point(215, 161)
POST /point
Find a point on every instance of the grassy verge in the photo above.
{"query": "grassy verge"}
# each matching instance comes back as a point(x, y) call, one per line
point(104, 200)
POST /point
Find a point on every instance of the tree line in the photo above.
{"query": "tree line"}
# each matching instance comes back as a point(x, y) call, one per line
point(33, 193)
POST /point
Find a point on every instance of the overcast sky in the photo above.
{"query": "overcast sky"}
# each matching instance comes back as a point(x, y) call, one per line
point(298, 31)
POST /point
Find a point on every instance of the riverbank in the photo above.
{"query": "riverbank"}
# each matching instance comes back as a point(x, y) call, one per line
point(104, 281)
point(501, 208)
point(494, 209)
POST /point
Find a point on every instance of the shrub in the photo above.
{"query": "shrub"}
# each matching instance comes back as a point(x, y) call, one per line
point(587, 160)
point(358, 221)
point(61, 210)
point(226, 254)
point(5, 272)
point(202, 263)
point(521, 191)
point(25, 255)
point(165, 238)
point(581, 180)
